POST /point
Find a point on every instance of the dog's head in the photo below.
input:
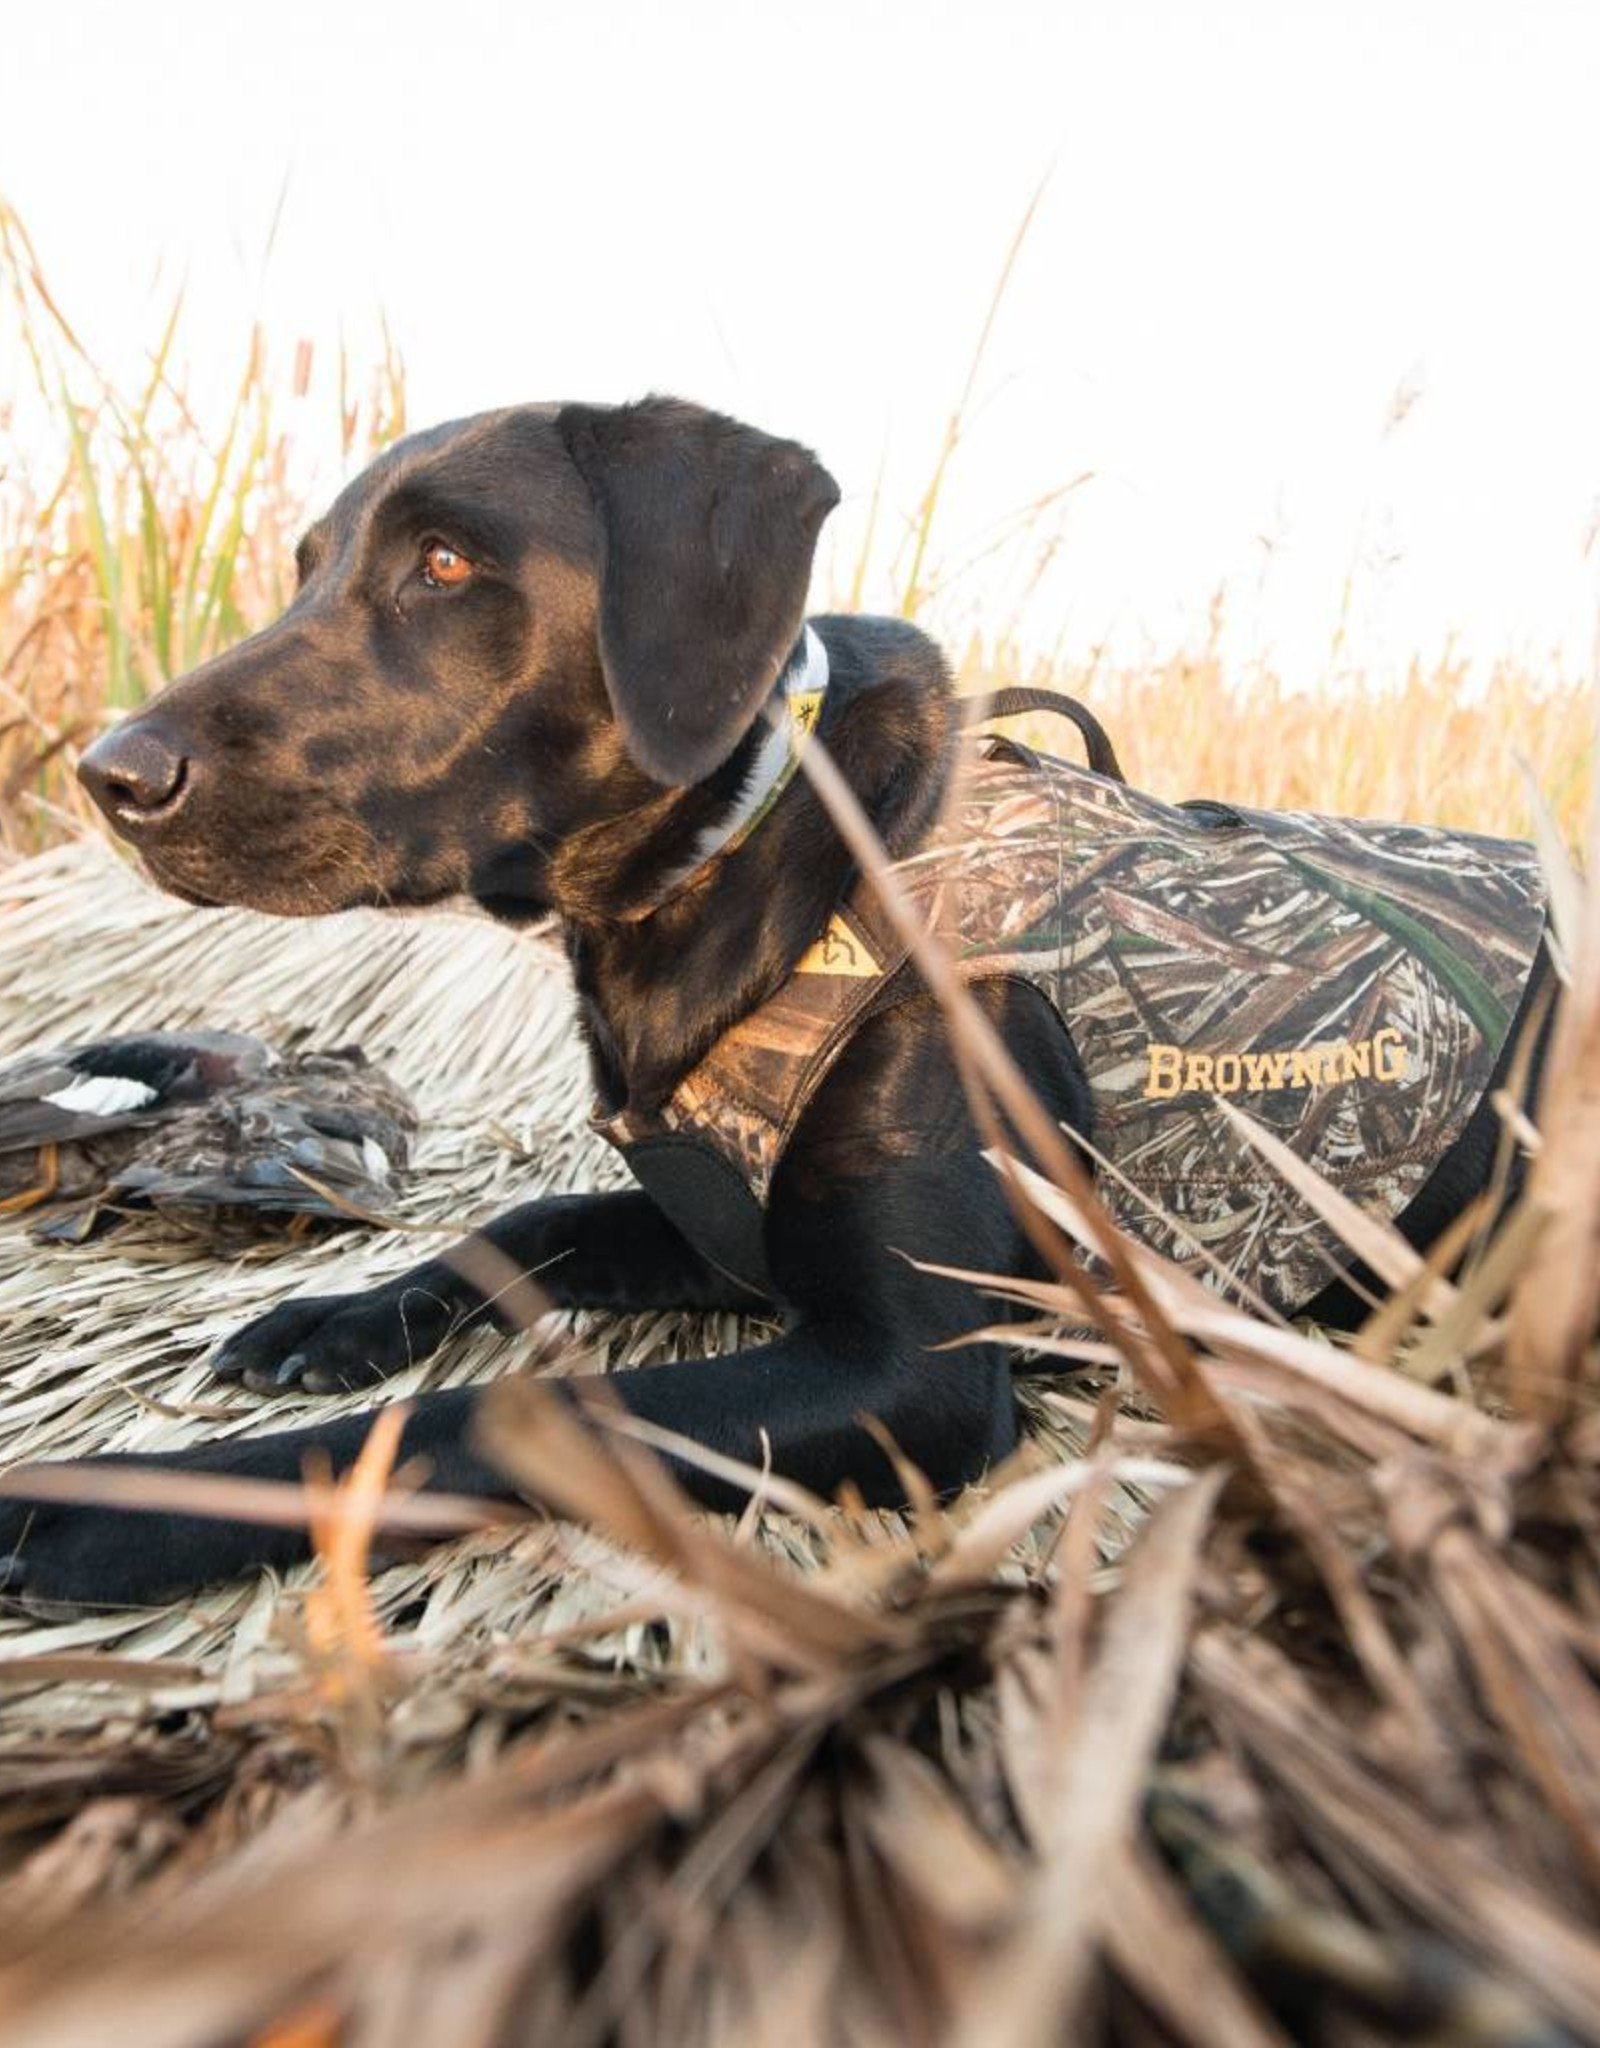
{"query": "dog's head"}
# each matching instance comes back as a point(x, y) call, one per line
point(507, 630)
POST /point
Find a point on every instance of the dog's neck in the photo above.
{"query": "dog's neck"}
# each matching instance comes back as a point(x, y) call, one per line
point(657, 991)
point(644, 846)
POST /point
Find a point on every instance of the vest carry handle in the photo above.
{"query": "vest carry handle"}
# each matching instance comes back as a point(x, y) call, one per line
point(1014, 703)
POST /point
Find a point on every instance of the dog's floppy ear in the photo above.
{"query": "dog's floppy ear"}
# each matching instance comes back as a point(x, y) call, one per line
point(707, 530)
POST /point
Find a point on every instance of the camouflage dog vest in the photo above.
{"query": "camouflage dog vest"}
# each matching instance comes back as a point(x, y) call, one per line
point(1350, 986)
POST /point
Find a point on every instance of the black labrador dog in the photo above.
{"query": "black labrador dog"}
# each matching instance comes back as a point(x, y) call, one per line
point(526, 663)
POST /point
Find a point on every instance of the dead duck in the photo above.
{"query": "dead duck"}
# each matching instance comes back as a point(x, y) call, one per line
point(215, 1131)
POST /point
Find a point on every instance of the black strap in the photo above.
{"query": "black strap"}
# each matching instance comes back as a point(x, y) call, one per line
point(1013, 703)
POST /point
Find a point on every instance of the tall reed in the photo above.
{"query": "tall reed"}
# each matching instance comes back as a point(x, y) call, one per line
point(138, 537)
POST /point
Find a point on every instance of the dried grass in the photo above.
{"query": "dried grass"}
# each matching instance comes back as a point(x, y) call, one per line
point(1256, 1700)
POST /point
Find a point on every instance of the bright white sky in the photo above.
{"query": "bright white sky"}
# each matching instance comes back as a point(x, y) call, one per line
point(1261, 220)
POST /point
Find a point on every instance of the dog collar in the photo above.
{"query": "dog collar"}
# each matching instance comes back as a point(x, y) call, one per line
point(791, 714)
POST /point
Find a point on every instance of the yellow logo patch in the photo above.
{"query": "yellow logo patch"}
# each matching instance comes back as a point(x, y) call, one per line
point(805, 707)
point(841, 950)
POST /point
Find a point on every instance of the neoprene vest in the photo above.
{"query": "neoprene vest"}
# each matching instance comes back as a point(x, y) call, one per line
point(1348, 985)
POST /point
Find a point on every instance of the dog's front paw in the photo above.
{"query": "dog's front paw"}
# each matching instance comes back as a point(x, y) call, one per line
point(335, 1343)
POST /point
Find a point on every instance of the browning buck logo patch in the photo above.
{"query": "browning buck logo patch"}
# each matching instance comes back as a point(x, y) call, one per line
point(805, 708)
point(842, 949)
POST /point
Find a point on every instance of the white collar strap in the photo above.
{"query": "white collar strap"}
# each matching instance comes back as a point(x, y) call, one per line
point(791, 714)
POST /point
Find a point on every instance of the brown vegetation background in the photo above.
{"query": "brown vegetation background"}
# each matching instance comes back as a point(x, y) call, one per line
point(137, 538)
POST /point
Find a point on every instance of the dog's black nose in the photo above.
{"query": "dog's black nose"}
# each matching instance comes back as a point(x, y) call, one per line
point(132, 770)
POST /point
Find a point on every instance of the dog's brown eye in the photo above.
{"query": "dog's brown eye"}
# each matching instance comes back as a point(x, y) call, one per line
point(444, 566)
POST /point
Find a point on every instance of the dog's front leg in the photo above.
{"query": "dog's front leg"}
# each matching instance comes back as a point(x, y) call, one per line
point(614, 1251)
point(86, 1555)
point(796, 1403)
point(801, 1405)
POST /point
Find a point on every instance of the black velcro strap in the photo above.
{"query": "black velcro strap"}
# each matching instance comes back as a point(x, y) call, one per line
point(708, 1200)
